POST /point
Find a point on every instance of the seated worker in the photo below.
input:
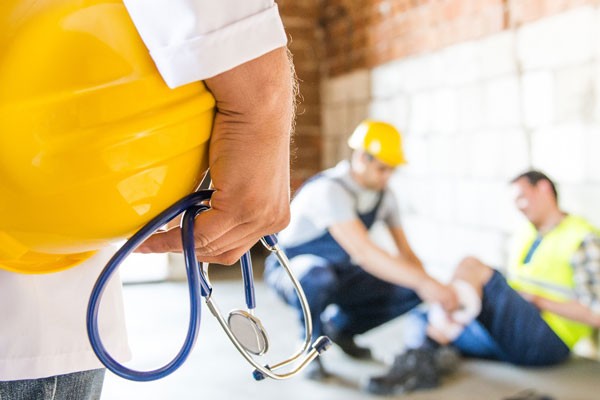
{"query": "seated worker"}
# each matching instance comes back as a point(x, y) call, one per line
point(336, 261)
point(549, 300)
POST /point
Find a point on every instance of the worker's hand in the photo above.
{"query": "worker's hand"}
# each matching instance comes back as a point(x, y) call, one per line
point(248, 161)
point(432, 291)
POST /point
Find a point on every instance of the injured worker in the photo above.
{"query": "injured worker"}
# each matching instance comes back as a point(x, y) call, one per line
point(548, 301)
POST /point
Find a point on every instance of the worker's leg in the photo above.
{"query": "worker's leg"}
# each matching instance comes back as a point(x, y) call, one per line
point(473, 271)
point(366, 302)
point(509, 328)
point(318, 280)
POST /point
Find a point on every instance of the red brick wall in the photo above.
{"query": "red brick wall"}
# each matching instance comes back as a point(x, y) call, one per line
point(301, 18)
point(366, 33)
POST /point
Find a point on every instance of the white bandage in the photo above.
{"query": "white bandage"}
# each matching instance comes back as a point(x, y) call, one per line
point(470, 307)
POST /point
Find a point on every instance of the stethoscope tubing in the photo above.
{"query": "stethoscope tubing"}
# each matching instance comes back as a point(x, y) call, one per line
point(196, 286)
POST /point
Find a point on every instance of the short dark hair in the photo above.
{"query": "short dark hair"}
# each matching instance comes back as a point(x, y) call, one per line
point(533, 177)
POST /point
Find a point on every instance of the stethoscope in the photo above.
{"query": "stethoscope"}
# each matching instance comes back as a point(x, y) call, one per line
point(243, 328)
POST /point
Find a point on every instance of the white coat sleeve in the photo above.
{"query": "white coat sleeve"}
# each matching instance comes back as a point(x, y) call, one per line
point(191, 40)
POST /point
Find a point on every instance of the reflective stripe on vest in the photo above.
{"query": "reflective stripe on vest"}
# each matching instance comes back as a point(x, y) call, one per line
point(549, 272)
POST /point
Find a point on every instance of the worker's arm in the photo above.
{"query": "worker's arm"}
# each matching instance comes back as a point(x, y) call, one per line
point(248, 160)
point(585, 307)
point(405, 271)
point(405, 252)
point(572, 309)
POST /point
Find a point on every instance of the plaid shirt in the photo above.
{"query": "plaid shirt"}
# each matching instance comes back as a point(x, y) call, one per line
point(586, 272)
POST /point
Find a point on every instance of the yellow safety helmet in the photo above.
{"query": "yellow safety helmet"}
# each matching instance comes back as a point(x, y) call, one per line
point(380, 139)
point(93, 144)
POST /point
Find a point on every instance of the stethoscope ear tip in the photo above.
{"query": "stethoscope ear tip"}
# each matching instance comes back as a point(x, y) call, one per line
point(322, 344)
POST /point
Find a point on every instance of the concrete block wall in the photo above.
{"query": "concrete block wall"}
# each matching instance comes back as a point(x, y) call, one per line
point(475, 114)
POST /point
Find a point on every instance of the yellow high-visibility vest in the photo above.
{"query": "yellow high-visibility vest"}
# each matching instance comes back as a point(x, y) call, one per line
point(549, 272)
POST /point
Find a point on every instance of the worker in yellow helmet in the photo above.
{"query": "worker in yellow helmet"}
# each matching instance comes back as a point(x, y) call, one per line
point(110, 111)
point(336, 260)
point(548, 301)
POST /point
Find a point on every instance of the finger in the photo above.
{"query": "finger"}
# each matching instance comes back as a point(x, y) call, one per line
point(242, 236)
point(162, 242)
point(228, 247)
point(451, 303)
point(218, 231)
point(229, 257)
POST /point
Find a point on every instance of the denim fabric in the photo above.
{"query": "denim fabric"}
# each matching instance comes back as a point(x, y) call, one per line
point(511, 329)
point(476, 341)
point(86, 385)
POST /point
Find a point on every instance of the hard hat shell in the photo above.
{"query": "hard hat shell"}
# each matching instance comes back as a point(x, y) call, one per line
point(380, 139)
point(93, 144)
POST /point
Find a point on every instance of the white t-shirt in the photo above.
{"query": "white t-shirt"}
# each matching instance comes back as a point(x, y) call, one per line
point(42, 317)
point(336, 197)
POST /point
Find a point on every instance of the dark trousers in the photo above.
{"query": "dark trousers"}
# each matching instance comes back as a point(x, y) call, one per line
point(511, 329)
point(361, 301)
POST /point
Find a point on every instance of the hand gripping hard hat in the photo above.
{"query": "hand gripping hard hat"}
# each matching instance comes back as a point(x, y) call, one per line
point(381, 140)
point(93, 144)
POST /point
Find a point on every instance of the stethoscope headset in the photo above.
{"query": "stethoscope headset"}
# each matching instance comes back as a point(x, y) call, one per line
point(243, 328)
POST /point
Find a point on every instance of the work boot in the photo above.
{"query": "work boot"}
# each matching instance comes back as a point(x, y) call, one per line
point(447, 359)
point(315, 371)
point(347, 343)
point(412, 370)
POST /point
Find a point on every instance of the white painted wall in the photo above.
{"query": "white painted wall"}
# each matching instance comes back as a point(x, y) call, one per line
point(474, 115)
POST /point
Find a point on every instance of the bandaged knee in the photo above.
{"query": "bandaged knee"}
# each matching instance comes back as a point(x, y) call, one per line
point(451, 325)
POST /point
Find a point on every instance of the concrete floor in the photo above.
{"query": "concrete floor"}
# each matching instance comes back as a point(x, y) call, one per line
point(157, 318)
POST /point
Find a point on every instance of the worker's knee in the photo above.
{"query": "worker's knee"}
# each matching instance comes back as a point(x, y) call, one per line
point(469, 263)
point(471, 269)
point(319, 280)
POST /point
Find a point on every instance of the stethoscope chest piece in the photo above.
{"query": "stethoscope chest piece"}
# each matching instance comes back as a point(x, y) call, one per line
point(249, 331)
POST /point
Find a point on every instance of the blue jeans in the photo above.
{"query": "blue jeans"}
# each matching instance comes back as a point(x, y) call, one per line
point(511, 329)
point(86, 385)
point(476, 341)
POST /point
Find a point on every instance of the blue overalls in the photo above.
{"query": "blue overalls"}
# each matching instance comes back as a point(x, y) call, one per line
point(363, 301)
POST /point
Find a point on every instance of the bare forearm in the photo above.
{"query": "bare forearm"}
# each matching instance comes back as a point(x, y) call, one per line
point(259, 94)
point(353, 237)
point(409, 274)
point(248, 160)
point(572, 310)
point(254, 120)
point(394, 269)
point(410, 259)
point(405, 252)
point(250, 146)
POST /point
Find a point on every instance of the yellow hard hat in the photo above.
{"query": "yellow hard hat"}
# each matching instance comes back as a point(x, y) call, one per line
point(93, 144)
point(380, 139)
